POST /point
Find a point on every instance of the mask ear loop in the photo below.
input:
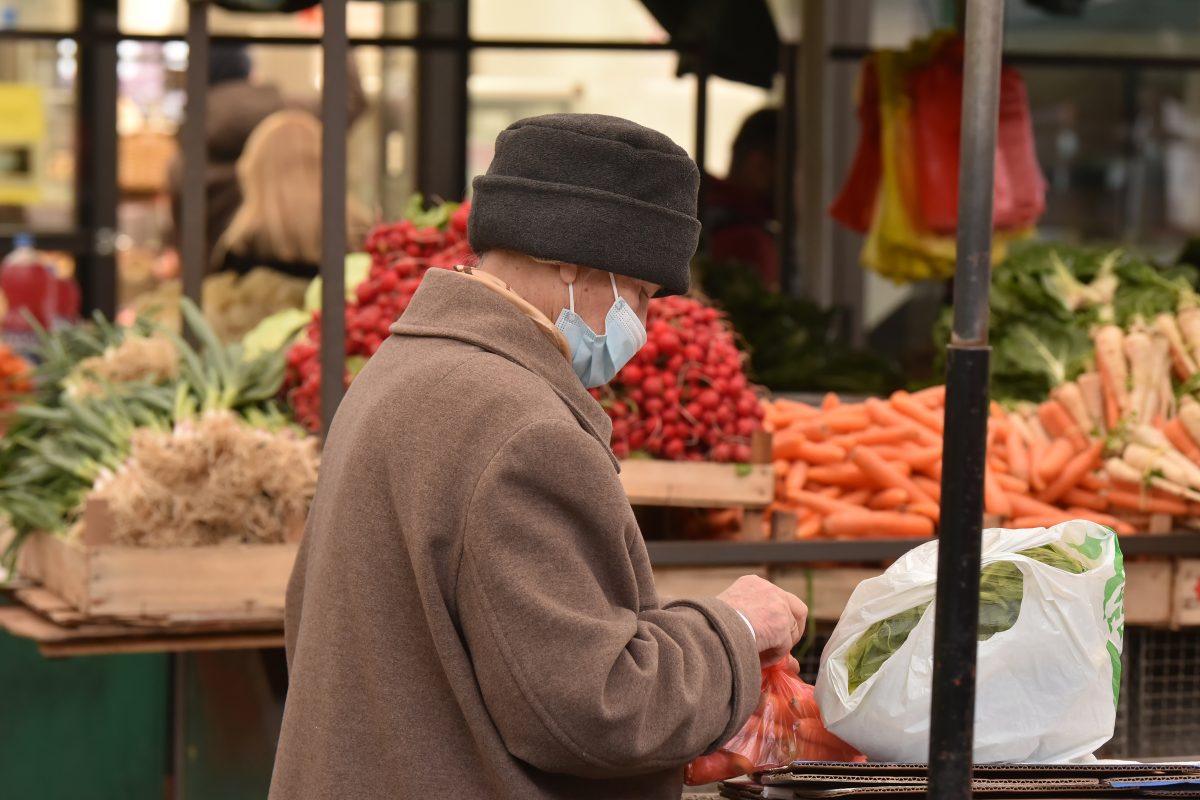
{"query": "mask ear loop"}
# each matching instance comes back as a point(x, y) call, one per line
point(571, 295)
point(616, 294)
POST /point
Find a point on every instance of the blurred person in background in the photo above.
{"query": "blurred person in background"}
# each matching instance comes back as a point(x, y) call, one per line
point(270, 249)
point(738, 211)
point(236, 104)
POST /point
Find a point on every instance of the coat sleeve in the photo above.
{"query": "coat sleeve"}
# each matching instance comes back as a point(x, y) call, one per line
point(579, 673)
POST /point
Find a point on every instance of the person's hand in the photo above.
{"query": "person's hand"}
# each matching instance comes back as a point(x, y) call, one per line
point(777, 617)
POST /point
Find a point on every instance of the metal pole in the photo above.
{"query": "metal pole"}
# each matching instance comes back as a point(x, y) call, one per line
point(788, 150)
point(701, 117)
point(956, 620)
point(442, 101)
point(96, 193)
point(813, 125)
point(333, 210)
point(193, 233)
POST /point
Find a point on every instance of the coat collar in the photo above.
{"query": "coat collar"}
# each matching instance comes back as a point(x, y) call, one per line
point(452, 306)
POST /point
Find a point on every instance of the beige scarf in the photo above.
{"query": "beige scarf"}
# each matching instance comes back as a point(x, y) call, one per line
point(504, 290)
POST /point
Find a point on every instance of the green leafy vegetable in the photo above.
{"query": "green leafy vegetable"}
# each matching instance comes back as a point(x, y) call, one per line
point(791, 341)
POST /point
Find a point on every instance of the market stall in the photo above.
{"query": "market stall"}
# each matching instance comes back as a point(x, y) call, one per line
point(1098, 425)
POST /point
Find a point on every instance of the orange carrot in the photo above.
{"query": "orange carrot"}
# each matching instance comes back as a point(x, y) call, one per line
point(810, 528)
point(1144, 502)
point(1059, 423)
point(830, 402)
point(1018, 454)
point(1118, 525)
point(884, 474)
point(818, 453)
point(1055, 459)
point(1010, 483)
point(1082, 498)
point(846, 476)
point(931, 510)
point(831, 491)
point(929, 486)
point(904, 403)
point(1029, 507)
point(1075, 469)
point(885, 416)
point(875, 436)
point(1095, 481)
point(859, 524)
point(858, 497)
point(1179, 437)
point(1037, 454)
point(1020, 523)
point(888, 499)
point(795, 479)
point(995, 501)
point(819, 503)
point(933, 397)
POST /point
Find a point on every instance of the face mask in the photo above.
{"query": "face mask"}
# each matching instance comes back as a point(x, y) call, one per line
point(596, 359)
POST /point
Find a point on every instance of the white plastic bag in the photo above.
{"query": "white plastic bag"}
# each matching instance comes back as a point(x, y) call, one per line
point(1047, 687)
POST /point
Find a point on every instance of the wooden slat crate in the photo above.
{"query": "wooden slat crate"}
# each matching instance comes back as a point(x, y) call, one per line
point(105, 580)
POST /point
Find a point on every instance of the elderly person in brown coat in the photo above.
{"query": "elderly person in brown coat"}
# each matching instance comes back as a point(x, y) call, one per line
point(472, 613)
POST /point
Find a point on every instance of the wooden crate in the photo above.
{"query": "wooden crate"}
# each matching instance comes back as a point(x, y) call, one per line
point(697, 485)
point(105, 580)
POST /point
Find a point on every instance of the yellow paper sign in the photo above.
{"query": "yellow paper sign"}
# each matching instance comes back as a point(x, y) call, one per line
point(22, 130)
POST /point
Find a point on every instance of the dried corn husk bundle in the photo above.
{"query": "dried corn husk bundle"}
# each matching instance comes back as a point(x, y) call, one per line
point(213, 481)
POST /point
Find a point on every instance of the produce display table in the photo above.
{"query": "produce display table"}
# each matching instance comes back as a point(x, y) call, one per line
point(60, 631)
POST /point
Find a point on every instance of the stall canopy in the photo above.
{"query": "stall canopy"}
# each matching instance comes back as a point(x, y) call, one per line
point(732, 39)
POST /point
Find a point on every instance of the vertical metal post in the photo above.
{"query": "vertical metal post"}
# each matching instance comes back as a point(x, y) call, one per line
point(788, 151)
point(701, 133)
point(956, 619)
point(333, 210)
point(96, 195)
point(813, 124)
point(442, 101)
point(701, 117)
point(193, 233)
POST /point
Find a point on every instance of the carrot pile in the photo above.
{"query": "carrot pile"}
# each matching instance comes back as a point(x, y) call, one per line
point(14, 380)
point(873, 469)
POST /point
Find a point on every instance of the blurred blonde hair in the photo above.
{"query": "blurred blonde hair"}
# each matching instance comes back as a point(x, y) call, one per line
point(279, 174)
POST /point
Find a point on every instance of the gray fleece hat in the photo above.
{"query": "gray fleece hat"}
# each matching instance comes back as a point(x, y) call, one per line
point(592, 190)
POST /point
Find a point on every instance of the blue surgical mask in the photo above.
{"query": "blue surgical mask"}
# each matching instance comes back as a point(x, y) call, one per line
point(597, 358)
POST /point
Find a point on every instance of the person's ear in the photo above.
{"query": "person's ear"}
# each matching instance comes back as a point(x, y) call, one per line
point(568, 273)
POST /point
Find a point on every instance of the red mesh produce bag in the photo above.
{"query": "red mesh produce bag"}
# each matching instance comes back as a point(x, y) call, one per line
point(785, 727)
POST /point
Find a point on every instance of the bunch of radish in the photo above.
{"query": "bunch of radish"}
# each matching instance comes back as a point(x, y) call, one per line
point(401, 253)
point(685, 395)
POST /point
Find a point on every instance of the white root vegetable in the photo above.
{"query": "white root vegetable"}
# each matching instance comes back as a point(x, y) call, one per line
point(1189, 415)
point(1188, 320)
point(1181, 359)
point(1174, 466)
point(1143, 375)
point(1072, 399)
point(1120, 470)
point(1093, 399)
point(1022, 426)
point(1110, 361)
point(1103, 287)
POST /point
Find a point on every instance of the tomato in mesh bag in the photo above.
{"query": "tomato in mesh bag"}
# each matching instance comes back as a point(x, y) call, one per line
point(785, 727)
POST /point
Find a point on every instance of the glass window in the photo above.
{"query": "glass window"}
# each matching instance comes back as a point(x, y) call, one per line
point(618, 20)
point(43, 15)
point(1161, 28)
point(170, 17)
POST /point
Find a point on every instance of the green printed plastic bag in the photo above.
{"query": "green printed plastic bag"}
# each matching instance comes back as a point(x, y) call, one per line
point(1051, 622)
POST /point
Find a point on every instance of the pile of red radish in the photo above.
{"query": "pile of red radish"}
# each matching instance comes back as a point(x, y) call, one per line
point(685, 395)
point(401, 253)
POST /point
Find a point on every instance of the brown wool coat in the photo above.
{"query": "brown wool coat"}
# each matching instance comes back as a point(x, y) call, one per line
point(472, 613)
